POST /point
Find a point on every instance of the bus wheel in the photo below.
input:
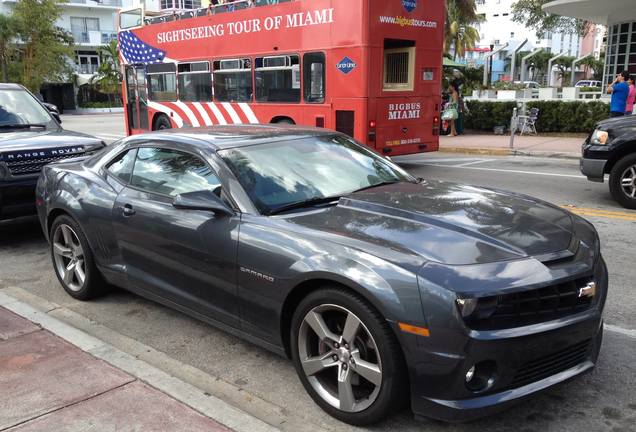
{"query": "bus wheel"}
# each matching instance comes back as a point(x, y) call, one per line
point(162, 122)
point(283, 120)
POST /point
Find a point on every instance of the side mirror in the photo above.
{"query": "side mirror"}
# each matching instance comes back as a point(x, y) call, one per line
point(202, 200)
point(53, 111)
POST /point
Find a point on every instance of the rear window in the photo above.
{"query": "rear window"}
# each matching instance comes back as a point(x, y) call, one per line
point(399, 65)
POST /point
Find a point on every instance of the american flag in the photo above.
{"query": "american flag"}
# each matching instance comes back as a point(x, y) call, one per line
point(134, 50)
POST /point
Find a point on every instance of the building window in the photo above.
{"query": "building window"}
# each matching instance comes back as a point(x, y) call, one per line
point(81, 26)
point(233, 80)
point(87, 62)
point(180, 4)
point(162, 82)
point(195, 82)
point(277, 78)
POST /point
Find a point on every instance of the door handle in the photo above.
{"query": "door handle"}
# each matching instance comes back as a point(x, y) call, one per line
point(127, 210)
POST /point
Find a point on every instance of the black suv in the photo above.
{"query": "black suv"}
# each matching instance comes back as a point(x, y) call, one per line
point(31, 137)
point(611, 149)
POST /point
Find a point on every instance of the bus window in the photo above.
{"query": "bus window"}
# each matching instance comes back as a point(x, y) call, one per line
point(195, 82)
point(233, 80)
point(162, 82)
point(278, 79)
point(314, 77)
point(399, 65)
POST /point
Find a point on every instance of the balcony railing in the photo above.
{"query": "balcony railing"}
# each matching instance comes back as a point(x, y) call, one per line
point(112, 3)
point(94, 37)
point(87, 69)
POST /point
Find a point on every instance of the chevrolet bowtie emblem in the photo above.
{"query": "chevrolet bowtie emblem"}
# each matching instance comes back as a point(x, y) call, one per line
point(588, 290)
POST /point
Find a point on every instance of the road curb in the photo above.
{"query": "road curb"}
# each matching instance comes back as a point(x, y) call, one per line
point(508, 152)
point(195, 398)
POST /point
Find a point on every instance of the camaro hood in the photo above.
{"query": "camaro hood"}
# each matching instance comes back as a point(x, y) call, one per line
point(44, 139)
point(443, 222)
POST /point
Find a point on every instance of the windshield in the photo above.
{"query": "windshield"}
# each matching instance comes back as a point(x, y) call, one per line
point(18, 107)
point(279, 174)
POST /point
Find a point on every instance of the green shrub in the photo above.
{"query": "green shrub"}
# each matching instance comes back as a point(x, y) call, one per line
point(100, 105)
point(554, 116)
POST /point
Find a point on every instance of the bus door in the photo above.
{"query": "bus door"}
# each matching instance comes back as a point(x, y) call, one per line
point(136, 98)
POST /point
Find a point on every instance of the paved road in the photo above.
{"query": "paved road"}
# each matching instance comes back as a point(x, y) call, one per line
point(266, 385)
point(109, 127)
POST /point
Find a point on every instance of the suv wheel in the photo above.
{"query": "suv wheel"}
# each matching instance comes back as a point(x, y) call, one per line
point(347, 357)
point(162, 122)
point(73, 260)
point(623, 182)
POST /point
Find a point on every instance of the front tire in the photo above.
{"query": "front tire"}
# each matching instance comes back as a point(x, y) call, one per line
point(347, 357)
point(623, 181)
point(73, 260)
point(162, 122)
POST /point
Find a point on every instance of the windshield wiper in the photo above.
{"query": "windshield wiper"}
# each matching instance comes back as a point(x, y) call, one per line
point(384, 183)
point(22, 126)
point(314, 202)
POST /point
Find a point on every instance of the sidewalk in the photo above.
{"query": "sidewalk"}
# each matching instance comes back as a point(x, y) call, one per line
point(499, 145)
point(50, 385)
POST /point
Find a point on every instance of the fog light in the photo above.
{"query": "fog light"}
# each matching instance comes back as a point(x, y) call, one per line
point(481, 376)
point(470, 374)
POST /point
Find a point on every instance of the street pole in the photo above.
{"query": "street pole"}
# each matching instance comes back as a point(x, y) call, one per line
point(574, 63)
point(487, 73)
point(492, 47)
point(524, 60)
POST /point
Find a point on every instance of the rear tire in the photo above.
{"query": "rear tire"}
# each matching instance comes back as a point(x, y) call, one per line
point(355, 371)
point(73, 260)
point(622, 181)
point(162, 122)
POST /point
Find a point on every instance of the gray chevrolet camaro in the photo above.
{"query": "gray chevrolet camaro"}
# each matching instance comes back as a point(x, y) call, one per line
point(381, 287)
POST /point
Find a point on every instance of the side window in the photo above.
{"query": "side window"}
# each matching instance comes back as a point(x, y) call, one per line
point(233, 80)
point(122, 166)
point(314, 77)
point(170, 172)
point(195, 82)
point(277, 78)
point(162, 82)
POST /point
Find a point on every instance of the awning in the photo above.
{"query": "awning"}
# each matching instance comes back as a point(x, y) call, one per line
point(604, 12)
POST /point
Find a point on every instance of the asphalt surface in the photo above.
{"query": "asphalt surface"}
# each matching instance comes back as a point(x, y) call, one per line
point(604, 400)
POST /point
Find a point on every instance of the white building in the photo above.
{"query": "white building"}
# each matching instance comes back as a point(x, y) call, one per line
point(499, 28)
point(92, 24)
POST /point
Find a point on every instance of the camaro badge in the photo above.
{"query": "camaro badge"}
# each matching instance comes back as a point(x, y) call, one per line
point(588, 290)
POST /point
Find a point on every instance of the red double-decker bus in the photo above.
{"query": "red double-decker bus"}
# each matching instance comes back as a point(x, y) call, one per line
point(367, 68)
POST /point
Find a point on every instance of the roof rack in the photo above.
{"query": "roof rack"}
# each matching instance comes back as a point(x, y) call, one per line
point(176, 15)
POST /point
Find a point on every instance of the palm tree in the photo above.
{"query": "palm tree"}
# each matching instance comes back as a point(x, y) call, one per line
point(460, 35)
point(8, 32)
point(108, 76)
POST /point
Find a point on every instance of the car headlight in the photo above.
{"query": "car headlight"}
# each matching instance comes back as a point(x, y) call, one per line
point(599, 137)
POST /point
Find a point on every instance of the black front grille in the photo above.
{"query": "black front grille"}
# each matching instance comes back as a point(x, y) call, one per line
point(531, 307)
point(34, 165)
point(544, 367)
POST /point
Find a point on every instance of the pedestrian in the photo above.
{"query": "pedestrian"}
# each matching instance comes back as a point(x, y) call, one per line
point(631, 97)
point(619, 90)
point(459, 123)
point(451, 113)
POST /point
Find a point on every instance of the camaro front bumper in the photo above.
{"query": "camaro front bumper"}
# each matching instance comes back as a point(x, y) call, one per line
point(522, 362)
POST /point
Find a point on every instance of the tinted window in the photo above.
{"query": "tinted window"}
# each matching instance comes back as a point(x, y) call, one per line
point(233, 80)
point(170, 172)
point(277, 79)
point(122, 166)
point(162, 82)
point(280, 173)
point(314, 77)
point(195, 82)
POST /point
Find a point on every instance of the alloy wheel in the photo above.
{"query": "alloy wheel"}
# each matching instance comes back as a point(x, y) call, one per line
point(340, 358)
point(628, 181)
point(69, 257)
